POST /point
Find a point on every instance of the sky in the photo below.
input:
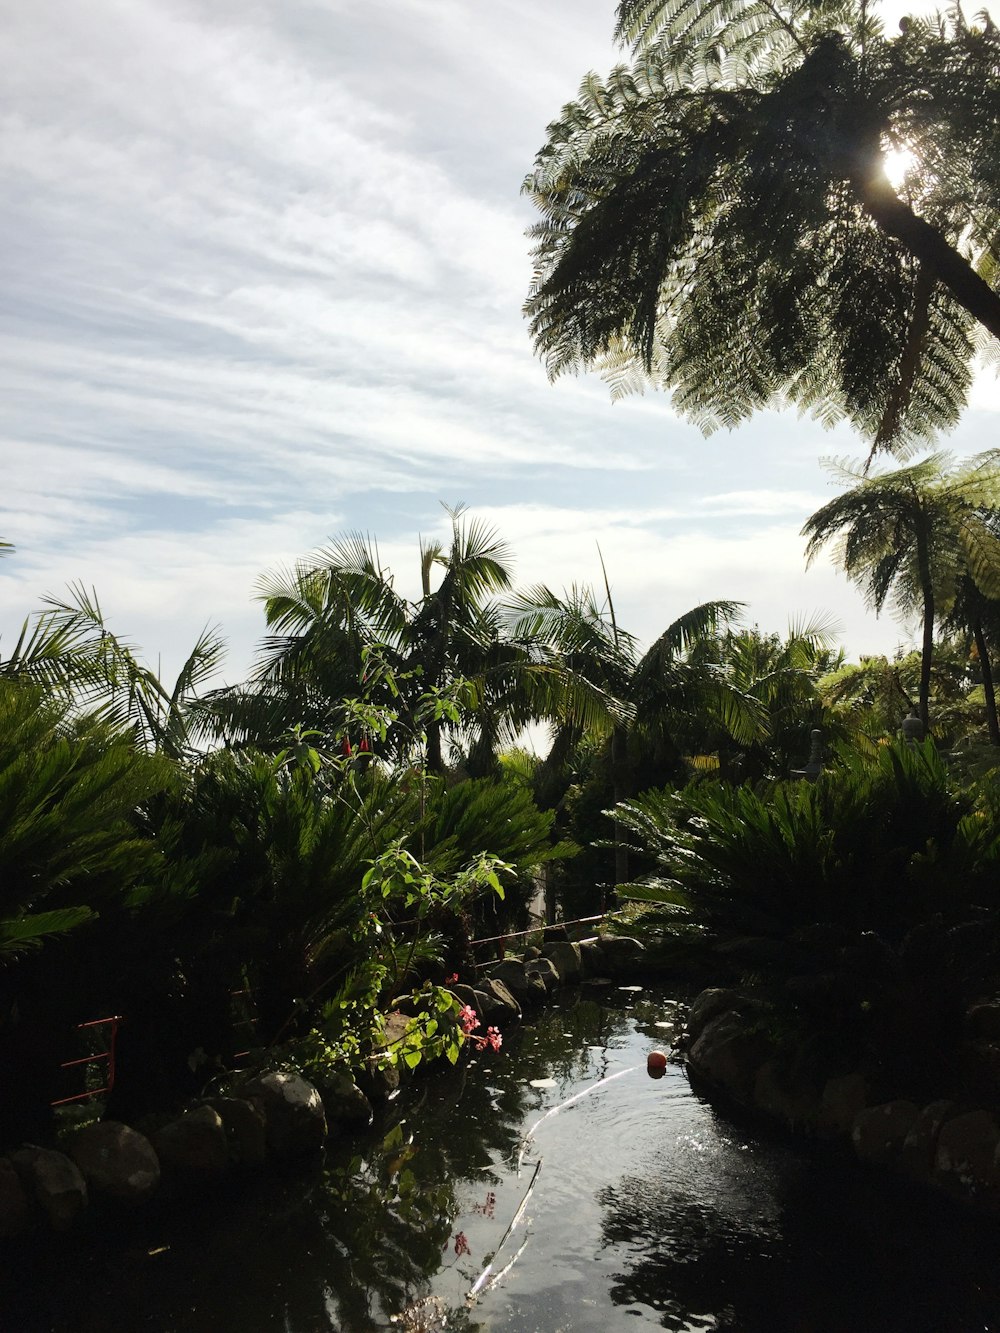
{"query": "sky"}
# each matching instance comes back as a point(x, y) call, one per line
point(262, 266)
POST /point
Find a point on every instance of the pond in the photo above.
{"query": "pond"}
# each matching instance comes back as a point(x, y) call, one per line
point(648, 1208)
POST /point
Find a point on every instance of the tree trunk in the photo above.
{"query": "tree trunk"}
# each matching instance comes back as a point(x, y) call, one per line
point(619, 782)
point(435, 760)
point(927, 244)
point(986, 670)
point(927, 646)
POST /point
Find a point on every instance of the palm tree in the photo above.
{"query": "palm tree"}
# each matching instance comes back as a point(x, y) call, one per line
point(911, 534)
point(448, 666)
point(644, 698)
point(69, 650)
point(976, 617)
point(717, 217)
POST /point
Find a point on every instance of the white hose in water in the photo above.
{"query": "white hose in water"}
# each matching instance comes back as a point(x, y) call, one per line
point(562, 1106)
point(483, 1282)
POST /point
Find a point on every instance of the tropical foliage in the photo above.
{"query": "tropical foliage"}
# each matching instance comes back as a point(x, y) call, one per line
point(718, 220)
point(862, 911)
point(280, 863)
point(920, 534)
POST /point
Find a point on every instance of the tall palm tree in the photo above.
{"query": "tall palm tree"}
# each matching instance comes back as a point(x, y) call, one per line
point(337, 620)
point(976, 617)
point(717, 217)
point(911, 533)
point(644, 697)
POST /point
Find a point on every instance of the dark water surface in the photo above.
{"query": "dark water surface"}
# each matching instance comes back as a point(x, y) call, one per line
point(649, 1209)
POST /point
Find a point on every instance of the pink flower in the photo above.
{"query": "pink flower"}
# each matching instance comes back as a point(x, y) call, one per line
point(494, 1038)
point(449, 980)
point(467, 1018)
point(461, 1244)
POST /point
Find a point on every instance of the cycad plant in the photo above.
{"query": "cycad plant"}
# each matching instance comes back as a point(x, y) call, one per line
point(72, 856)
point(860, 910)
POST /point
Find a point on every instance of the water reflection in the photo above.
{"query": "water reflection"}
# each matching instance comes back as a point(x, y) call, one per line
point(649, 1208)
point(764, 1239)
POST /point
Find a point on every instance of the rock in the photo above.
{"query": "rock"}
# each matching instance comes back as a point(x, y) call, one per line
point(843, 1097)
point(965, 1161)
point(344, 1102)
point(54, 1182)
point(920, 1145)
point(565, 958)
point(293, 1113)
point(706, 1006)
point(729, 1056)
point(554, 935)
point(983, 1020)
point(592, 961)
point(980, 1065)
point(545, 970)
point(15, 1207)
point(500, 1003)
point(194, 1145)
point(526, 990)
point(243, 1122)
point(793, 1101)
point(879, 1132)
point(116, 1161)
point(477, 999)
point(378, 1081)
point(621, 954)
point(530, 953)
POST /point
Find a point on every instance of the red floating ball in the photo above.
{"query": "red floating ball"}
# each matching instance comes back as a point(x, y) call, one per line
point(656, 1062)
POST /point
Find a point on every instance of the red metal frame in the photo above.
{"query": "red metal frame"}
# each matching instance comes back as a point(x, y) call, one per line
point(108, 1055)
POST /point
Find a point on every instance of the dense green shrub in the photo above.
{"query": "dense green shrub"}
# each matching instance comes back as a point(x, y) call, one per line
point(862, 909)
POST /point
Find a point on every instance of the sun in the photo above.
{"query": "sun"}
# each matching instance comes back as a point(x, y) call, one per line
point(898, 163)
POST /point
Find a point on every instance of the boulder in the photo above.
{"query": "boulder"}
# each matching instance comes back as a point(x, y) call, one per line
point(546, 971)
point(980, 1067)
point(54, 1182)
point(556, 934)
point(879, 1132)
point(526, 990)
point(15, 1207)
point(344, 1102)
point(500, 1004)
point(965, 1161)
point(622, 956)
point(486, 1006)
point(565, 958)
point(378, 1080)
point(593, 964)
point(194, 1145)
point(983, 1020)
point(920, 1145)
point(843, 1097)
point(729, 1056)
point(293, 1113)
point(243, 1122)
point(792, 1100)
point(116, 1161)
point(706, 1006)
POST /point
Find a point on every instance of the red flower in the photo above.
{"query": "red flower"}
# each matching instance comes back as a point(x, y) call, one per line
point(345, 747)
point(461, 1244)
point(468, 1019)
point(364, 747)
point(493, 1038)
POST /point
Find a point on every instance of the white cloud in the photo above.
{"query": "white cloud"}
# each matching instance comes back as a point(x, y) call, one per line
point(262, 268)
